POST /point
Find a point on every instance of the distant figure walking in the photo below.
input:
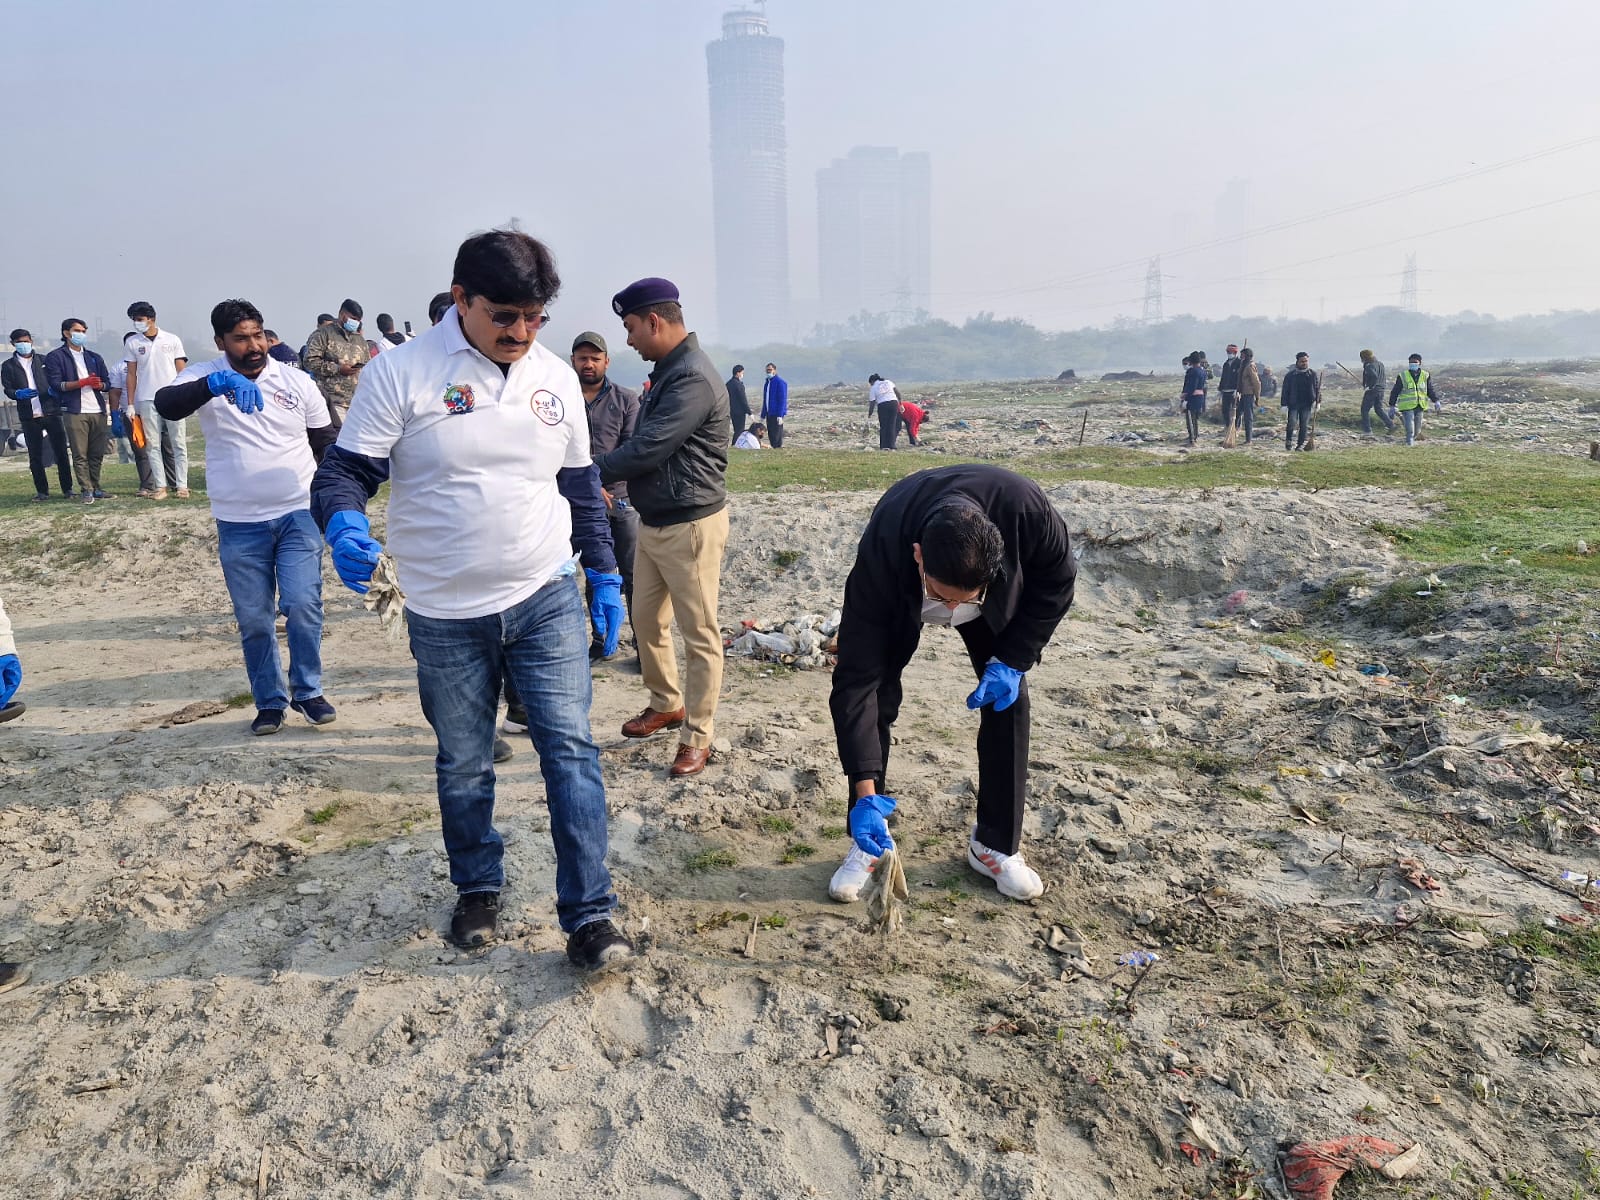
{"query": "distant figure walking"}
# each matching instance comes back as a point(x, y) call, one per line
point(1372, 378)
point(884, 399)
point(774, 405)
point(1194, 396)
point(1411, 394)
point(1249, 394)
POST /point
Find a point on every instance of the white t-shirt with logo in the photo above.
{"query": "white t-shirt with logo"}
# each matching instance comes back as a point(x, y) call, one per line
point(882, 392)
point(476, 523)
point(157, 359)
point(259, 465)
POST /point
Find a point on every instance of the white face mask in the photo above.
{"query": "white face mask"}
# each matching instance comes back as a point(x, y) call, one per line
point(937, 612)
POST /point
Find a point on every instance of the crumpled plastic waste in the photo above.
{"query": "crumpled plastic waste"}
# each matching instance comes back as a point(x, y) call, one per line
point(1377, 669)
point(384, 597)
point(1326, 658)
point(1283, 656)
point(807, 641)
point(1312, 1169)
point(886, 893)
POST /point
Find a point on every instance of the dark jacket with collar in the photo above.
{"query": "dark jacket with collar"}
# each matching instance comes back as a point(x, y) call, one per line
point(1301, 388)
point(1231, 369)
point(676, 462)
point(612, 418)
point(738, 402)
point(14, 378)
point(881, 621)
point(61, 369)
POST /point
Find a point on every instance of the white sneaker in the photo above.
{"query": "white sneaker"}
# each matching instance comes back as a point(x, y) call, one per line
point(1011, 875)
point(509, 725)
point(852, 875)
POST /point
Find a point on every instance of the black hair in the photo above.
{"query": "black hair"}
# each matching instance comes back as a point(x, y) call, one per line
point(874, 377)
point(385, 323)
point(141, 308)
point(71, 321)
point(325, 318)
point(504, 266)
point(774, 366)
point(737, 367)
point(669, 311)
point(437, 306)
point(1301, 354)
point(226, 316)
point(1418, 357)
point(1248, 353)
point(758, 427)
point(21, 335)
point(1188, 360)
point(351, 307)
point(961, 547)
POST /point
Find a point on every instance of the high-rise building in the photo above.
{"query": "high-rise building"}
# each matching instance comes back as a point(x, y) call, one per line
point(874, 234)
point(749, 180)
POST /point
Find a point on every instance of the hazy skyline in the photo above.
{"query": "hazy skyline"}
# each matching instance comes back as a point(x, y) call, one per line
point(298, 153)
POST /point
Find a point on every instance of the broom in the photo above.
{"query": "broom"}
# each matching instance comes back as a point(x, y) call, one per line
point(1231, 438)
point(1311, 439)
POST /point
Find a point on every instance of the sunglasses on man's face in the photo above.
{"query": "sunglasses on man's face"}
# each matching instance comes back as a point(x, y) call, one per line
point(505, 318)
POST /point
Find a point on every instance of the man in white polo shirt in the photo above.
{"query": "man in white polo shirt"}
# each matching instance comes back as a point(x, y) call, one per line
point(262, 448)
point(154, 359)
point(482, 434)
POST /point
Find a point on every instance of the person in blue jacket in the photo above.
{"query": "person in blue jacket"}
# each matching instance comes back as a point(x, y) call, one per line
point(774, 405)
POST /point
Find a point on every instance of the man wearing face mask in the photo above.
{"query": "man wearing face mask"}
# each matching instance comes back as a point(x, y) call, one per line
point(266, 426)
point(39, 413)
point(335, 356)
point(1411, 394)
point(774, 405)
point(981, 549)
point(76, 376)
point(154, 357)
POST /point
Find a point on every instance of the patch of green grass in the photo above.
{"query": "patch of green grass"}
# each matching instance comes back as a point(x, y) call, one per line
point(321, 816)
point(784, 559)
point(1577, 948)
point(774, 921)
point(718, 859)
point(239, 700)
point(796, 852)
point(772, 823)
point(831, 831)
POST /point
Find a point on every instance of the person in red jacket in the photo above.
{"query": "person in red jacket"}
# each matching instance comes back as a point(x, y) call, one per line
point(912, 417)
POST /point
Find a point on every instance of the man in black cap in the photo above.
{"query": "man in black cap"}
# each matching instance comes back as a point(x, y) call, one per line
point(738, 402)
point(675, 465)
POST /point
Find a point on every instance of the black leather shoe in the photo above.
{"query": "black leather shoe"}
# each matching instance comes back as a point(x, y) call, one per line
point(598, 945)
point(472, 924)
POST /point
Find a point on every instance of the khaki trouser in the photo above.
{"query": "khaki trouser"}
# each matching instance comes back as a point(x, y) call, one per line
point(86, 434)
point(676, 570)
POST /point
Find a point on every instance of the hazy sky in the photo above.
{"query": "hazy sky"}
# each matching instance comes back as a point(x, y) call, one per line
point(295, 152)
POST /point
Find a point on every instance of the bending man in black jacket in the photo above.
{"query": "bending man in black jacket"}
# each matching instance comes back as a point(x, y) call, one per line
point(974, 547)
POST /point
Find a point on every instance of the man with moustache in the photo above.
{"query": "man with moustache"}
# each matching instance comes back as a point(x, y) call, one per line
point(263, 443)
point(488, 571)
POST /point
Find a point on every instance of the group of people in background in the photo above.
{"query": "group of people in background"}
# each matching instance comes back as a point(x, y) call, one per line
point(1242, 385)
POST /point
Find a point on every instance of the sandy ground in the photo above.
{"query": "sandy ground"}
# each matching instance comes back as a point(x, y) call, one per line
point(241, 988)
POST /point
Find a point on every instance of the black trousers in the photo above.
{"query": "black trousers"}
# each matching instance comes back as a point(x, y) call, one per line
point(740, 418)
point(34, 431)
point(888, 425)
point(775, 432)
point(1002, 742)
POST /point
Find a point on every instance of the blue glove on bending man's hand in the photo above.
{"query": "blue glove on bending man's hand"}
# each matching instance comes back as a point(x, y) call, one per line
point(355, 553)
point(868, 825)
point(999, 687)
point(10, 677)
point(605, 608)
point(27, 393)
point(244, 395)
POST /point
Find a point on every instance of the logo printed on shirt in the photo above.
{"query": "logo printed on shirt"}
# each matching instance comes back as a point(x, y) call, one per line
point(286, 400)
point(547, 407)
point(458, 398)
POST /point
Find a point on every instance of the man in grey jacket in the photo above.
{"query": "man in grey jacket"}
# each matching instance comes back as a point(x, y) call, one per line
point(675, 466)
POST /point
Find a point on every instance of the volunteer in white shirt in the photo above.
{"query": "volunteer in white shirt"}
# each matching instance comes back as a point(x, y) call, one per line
point(750, 439)
point(884, 398)
point(266, 426)
point(155, 357)
point(482, 434)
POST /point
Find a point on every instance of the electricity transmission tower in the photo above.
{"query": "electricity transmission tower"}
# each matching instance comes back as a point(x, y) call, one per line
point(1152, 293)
point(1408, 285)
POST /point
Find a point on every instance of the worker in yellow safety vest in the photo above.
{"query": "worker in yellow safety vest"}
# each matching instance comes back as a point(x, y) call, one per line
point(1411, 394)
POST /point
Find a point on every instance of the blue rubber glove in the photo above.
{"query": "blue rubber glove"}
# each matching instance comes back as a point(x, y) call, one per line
point(244, 395)
point(27, 393)
point(868, 825)
point(999, 687)
point(10, 677)
point(605, 607)
point(355, 553)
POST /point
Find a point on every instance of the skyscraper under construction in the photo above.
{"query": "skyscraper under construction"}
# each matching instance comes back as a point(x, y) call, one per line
point(749, 180)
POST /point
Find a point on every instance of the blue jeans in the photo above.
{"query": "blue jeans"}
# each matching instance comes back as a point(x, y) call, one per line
point(1411, 418)
point(272, 567)
point(542, 646)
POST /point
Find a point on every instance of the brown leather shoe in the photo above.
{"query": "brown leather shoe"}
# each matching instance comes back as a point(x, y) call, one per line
point(691, 760)
point(650, 722)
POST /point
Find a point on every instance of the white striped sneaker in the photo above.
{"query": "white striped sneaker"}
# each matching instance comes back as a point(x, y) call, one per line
point(1011, 875)
point(852, 875)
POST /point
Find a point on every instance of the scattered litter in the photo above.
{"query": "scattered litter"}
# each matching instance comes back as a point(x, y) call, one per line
point(885, 891)
point(1489, 743)
point(806, 641)
point(1583, 546)
point(1300, 812)
point(1283, 656)
point(1326, 658)
point(1312, 1169)
point(384, 597)
point(1581, 880)
point(1377, 669)
point(1416, 874)
point(1232, 603)
point(1455, 699)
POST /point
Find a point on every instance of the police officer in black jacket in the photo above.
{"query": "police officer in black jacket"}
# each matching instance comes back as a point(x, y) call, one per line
point(981, 549)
